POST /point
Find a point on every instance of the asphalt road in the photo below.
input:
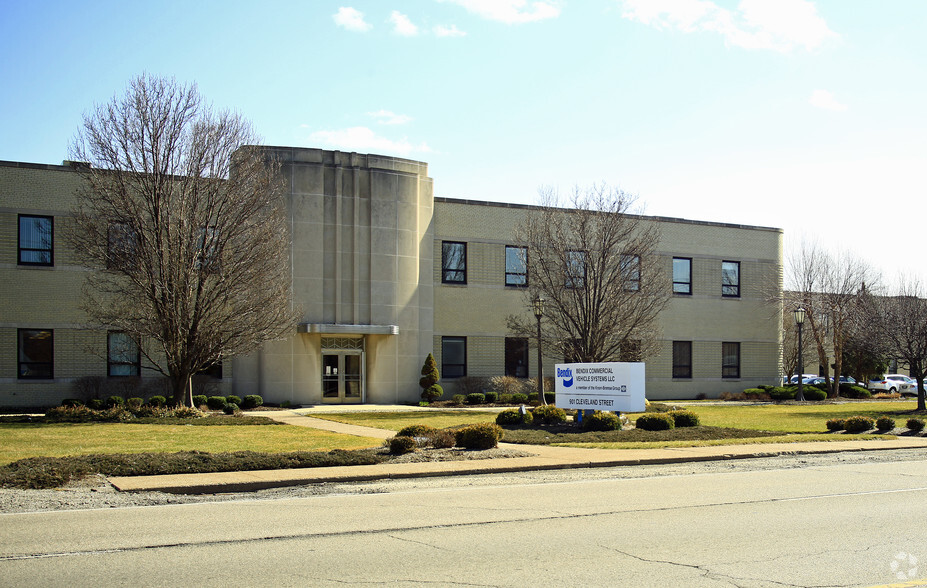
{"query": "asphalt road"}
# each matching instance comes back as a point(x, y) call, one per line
point(833, 521)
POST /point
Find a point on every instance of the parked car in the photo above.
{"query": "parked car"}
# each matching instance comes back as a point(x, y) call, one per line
point(894, 383)
point(794, 379)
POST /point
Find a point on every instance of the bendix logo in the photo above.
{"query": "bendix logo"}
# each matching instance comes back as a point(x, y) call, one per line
point(566, 373)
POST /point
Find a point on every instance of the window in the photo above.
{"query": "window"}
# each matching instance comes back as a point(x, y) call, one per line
point(516, 357)
point(516, 266)
point(207, 247)
point(36, 235)
point(682, 275)
point(453, 357)
point(36, 351)
point(730, 278)
point(575, 270)
point(122, 355)
point(121, 246)
point(682, 359)
point(453, 262)
point(213, 371)
point(631, 272)
point(730, 360)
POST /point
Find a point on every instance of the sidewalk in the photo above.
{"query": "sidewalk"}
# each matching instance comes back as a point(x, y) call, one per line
point(545, 458)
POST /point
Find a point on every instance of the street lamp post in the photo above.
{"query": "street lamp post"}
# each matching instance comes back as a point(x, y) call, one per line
point(799, 314)
point(538, 313)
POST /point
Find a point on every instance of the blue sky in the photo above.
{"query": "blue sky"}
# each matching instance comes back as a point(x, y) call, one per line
point(807, 116)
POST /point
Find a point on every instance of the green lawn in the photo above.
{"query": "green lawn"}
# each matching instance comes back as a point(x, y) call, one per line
point(21, 440)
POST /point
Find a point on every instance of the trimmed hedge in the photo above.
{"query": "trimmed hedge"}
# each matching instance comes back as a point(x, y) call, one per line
point(836, 425)
point(916, 425)
point(549, 414)
point(252, 401)
point(200, 400)
point(417, 430)
point(814, 393)
point(476, 398)
point(216, 402)
point(514, 417)
point(602, 421)
point(851, 391)
point(479, 436)
point(684, 418)
point(400, 445)
point(858, 424)
point(884, 423)
point(656, 421)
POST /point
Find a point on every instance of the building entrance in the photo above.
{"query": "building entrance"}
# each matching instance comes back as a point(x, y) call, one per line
point(342, 370)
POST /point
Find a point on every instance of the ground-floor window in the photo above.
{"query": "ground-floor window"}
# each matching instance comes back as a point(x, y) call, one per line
point(516, 357)
point(122, 355)
point(453, 357)
point(682, 359)
point(36, 351)
point(730, 360)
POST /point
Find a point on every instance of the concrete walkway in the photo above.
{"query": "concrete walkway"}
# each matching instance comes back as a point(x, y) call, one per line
point(545, 458)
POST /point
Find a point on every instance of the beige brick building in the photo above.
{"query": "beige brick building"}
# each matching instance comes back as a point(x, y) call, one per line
point(383, 274)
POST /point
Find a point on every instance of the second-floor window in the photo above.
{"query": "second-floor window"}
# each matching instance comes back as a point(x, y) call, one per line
point(516, 266)
point(682, 275)
point(730, 278)
point(453, 262)
point(36, 240)
point(631, 272)
point(575, 270)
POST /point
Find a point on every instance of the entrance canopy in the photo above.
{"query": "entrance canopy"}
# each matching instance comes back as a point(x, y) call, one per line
point(336, 329)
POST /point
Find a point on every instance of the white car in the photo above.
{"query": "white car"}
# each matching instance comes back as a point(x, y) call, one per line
point(894, 383)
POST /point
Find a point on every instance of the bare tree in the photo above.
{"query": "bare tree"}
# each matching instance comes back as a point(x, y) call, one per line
point(596, 265)
point(831, 289)
point(899, 322)
point(183, 221)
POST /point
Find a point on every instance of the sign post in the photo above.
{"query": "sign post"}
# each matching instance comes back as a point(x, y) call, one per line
point(612, 386)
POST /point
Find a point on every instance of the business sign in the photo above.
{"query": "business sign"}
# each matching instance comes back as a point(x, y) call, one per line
point(614, 386)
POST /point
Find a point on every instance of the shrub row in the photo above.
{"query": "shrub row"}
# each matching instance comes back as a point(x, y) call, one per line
point(157, 401)
point(479, 436)
point(861, 424)
point(477, 398)
point(663, 421)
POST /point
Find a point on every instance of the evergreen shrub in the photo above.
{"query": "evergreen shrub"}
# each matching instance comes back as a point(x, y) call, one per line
point(157, 400)
point(476, 398)
point(252, 401)
point(602, 421)
point(134, 403)
point(200, 400)
point(783, 392)
point(513, 417)
point(479, 436)
point(216, 402)
point(656, 421)
point(231, 408)
point(519, 398)
point(399, 445)
point(858, 424)
point(916, 425)
point(851, 391)
point(417, 430)
point(232, 399)
point(836, 425)
point(114, 401)
point(491, 397)
point(684, 418)
point(884, 423)
point(814, 393)
point(459, 399)
point(549, 414)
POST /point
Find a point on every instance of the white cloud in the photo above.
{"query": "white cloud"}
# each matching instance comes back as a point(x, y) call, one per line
point(386, 117)
point(365, 140)
point(402, 25)
point(451, 31)
point(824, 99)
point(511, 11)
point(780, 25)
point(351, 19)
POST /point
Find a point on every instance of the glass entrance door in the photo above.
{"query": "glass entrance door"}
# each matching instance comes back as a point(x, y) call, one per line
point(342, 377)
